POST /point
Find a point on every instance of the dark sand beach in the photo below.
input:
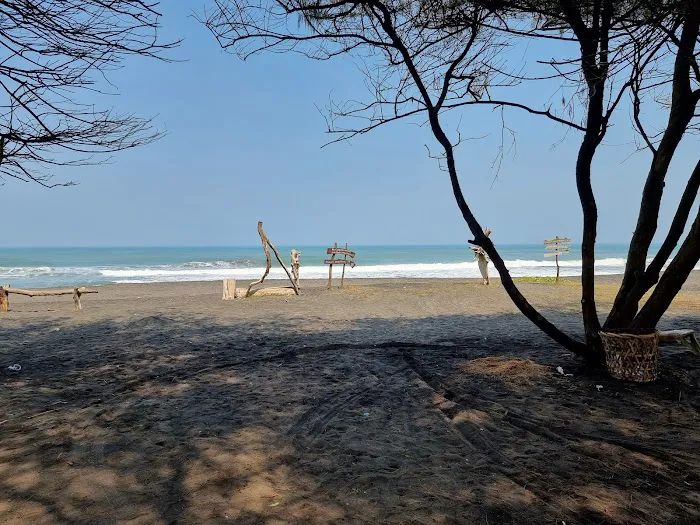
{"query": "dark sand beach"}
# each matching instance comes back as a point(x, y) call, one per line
point(398, 401)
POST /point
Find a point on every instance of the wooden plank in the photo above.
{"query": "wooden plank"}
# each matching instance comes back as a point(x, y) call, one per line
point(340, 261)
point(340, 251)
point(43, 293)
point(557, 240)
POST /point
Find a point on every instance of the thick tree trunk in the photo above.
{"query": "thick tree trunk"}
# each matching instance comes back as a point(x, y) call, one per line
point(591, 323)
point(683, 102)
point(673, 279)
point(625, 311)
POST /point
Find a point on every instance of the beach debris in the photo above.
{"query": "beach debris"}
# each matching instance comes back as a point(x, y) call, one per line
point(344, 261)
point(599, 387)
point(267, 244)
point(482, 259)
point(561, 371)
point(685, 337)
point(15, 367)
point(76, 292)
point(229, 289)
point(365, 414)
point(275, 504)
point(294, 255)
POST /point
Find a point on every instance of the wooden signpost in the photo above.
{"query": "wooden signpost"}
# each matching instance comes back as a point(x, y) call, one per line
point(560, 246)
point(344, 261)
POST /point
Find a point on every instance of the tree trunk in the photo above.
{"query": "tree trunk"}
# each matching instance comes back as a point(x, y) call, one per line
point(485, 242)
point(625, 311)
point(673, 279)
point(683, 102)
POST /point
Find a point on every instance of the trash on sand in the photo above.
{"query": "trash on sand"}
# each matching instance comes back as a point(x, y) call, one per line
point(15, 367)
point(366, 414)
point(274, 504)
point(599, 387)
point(561, 371)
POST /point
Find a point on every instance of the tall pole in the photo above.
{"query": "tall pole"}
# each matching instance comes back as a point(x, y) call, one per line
point(345, 258)
point(330, 266)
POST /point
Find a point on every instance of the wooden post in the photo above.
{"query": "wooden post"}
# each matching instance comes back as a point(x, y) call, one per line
point(330, 266)
point(345, 258)
point(76, 299)
point(295, 267)
point(229, 289)
point(4, 303)
point(556, 259)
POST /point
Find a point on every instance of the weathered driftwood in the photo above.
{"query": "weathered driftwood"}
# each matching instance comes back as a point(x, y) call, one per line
point(75, 292)
point(266, 242)
point(229, 289)
point(271, 291)
point(295, 266)
point(268, 259)
point(684, 337)
point(482, 260)
point(3, 299)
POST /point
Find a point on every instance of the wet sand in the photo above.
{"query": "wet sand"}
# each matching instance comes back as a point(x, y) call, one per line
point(396, 401)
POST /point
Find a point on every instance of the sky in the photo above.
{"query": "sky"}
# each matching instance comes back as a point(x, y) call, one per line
point(244, 144)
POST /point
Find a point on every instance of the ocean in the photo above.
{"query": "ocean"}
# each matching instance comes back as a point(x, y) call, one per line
point(46, 267)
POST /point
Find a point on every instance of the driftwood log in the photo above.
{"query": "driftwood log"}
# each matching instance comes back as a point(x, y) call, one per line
point(229, 289)
point(295, 266)
point(685, 337)
point(266, 242)
point(482, 259)
point(75, 292)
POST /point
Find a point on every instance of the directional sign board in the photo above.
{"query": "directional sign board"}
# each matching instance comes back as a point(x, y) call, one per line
point(340, 261)
point(557, 240)
point(345, 261)
point(560, 247)
point(340, 251)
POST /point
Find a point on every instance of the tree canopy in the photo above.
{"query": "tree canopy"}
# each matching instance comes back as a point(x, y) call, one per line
point(54, 55)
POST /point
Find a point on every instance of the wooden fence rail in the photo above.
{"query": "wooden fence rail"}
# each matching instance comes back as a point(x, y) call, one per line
point(75, 292)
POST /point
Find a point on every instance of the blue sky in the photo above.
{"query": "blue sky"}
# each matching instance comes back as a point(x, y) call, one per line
point(244, 144)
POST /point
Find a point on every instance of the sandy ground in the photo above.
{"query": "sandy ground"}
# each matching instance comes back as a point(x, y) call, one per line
point(406, 402)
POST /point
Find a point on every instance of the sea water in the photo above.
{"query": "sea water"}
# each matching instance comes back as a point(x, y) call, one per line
point(45, 267)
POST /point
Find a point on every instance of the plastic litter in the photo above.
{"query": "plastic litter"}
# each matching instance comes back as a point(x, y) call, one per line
point(15, 367)
point(561, 371)
point(599, 387)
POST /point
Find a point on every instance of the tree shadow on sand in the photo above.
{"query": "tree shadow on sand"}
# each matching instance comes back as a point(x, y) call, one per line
point(170, 420)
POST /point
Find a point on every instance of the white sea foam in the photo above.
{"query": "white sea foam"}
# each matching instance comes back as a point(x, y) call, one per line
point(518, 268)
point(217, 270)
